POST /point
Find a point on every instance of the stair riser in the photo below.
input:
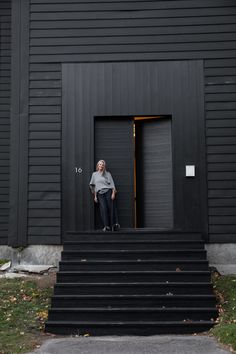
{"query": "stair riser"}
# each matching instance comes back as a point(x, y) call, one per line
point(94, 278)
point(121, 330)
point(80, 266)
point(140, 289)
point(133, 246)
point(120, 236)
point(89, 255)
point(125, 316)
point(167, 302)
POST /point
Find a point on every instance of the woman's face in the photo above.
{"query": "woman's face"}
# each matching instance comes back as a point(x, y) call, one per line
point(101, 166)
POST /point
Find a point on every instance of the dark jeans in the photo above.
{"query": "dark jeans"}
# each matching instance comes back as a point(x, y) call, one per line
point(107, 208)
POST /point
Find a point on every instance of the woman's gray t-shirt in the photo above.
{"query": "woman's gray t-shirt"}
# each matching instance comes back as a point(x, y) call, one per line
point(101, 181)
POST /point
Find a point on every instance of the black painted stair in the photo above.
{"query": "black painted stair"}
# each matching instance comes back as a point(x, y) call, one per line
point(132, 283)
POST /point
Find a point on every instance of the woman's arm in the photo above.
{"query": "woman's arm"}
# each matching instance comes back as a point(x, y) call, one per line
point(92, 184)
point(113, 194)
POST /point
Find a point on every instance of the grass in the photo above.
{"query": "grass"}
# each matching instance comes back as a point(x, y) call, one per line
point(225, 289)
point(3, 261)
point(23, 310)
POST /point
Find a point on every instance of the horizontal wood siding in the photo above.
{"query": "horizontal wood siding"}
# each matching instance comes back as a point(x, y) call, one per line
point(44, 196)
point(131, 30)
point(220, 97)
point(5, 93)
point(121, 30)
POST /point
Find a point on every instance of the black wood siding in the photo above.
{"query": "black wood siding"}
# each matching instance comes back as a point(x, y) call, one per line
point(220, 97)
point(107, 30)
point(5, 93)
point(131, 30)
point(44, 206)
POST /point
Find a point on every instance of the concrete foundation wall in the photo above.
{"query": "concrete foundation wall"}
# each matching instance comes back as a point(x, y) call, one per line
point(37, 255)
point(222, 256)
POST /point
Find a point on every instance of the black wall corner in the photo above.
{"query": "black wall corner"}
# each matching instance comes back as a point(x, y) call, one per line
point(19, 124)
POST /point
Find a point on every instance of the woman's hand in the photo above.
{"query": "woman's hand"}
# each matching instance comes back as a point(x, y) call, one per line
point(95, 199)
point(113, 195)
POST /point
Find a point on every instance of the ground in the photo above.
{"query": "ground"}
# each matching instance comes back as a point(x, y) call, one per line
point(25, 301)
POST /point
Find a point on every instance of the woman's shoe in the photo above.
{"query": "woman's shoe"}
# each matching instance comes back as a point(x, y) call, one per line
point(115, 227)
point(106, 228)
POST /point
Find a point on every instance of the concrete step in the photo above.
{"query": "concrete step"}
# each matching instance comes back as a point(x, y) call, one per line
point(137, 288)
point(132, 314)
point(133, 276)
point(148, 254)
point(133, 301)
point(72, 265)
point(138, 234)
point(142, 328)
point(133, 245)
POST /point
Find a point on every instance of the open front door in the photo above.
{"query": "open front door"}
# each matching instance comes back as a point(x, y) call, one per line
point(154, 202)
point(114, 143)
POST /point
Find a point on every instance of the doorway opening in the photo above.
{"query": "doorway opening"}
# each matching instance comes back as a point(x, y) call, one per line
point(138, 152)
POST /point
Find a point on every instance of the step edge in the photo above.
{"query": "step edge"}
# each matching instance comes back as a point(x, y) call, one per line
point(135, 283)
point(68, 323)
point(130, 241)
point(137, 251)
point(66, 261)
point(134, 309)
point(96, 272)
point(174, 296)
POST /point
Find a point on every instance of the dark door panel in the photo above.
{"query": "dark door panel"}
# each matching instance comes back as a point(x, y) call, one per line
point(114, 144)
point(154, 173)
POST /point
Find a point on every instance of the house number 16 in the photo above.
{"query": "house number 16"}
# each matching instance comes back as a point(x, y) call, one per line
point(78, 170)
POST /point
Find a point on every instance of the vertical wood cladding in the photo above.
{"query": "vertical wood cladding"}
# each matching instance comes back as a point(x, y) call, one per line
point(121, 30)
point(5, 93)
point(220, 97)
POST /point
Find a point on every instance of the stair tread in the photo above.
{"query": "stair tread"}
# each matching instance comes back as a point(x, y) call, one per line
point(139, 308)
point(131, 241)
point(137, 251)
point(134, 231)
point(135, 283)
point(135, 261)
point(178, 296)
point(68, 323)
point(134, 272)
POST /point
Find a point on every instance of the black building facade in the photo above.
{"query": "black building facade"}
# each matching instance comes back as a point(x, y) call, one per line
point(77, 76)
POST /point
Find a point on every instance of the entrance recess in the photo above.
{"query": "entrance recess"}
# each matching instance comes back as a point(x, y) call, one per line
point(136, 89)
point(138, 154)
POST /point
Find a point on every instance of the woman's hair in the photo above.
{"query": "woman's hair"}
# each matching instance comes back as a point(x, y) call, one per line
point(104, 162)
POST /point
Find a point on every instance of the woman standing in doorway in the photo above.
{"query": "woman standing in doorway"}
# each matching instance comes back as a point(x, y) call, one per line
point(104, 191)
